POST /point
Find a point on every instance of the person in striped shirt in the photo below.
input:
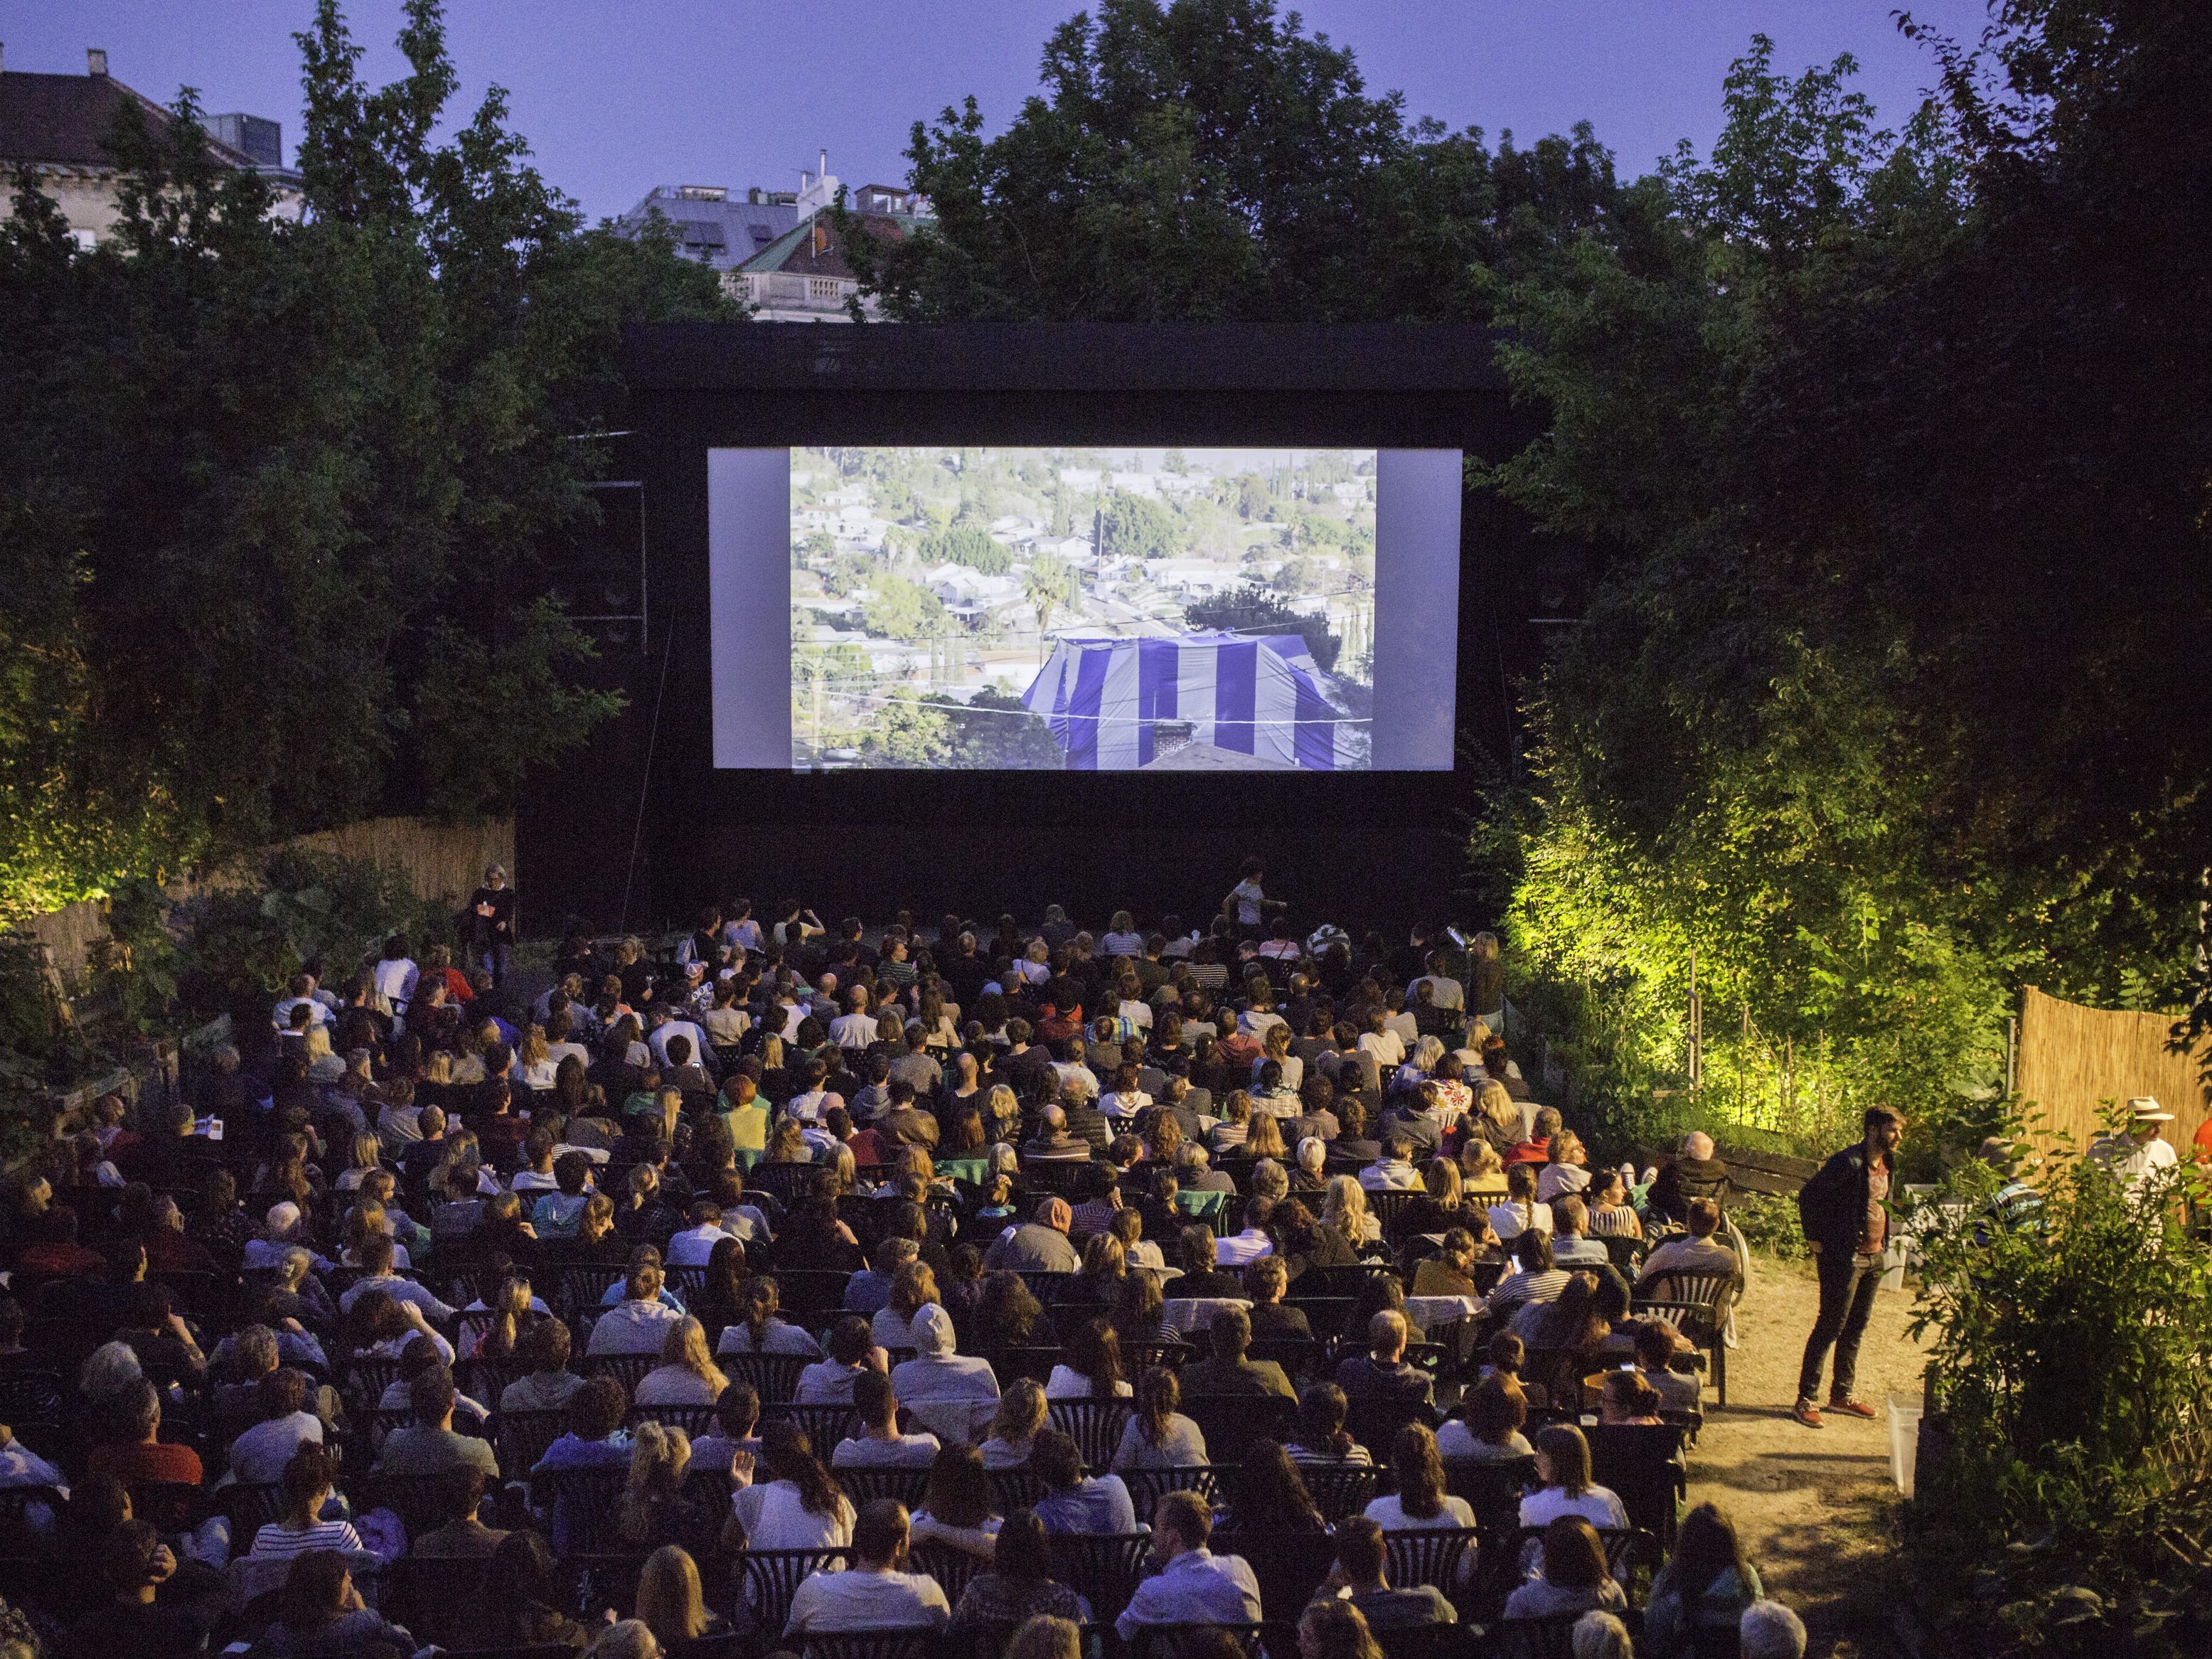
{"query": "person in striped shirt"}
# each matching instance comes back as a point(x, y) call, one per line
point(308, 1479)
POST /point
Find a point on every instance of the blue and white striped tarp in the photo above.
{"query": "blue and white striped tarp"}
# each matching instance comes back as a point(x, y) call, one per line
point(1250, 695)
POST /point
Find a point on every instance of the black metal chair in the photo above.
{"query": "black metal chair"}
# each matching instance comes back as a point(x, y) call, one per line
point(1339, 1489)
point(951, 1566)
point(773, 1376)
point(809, 1291)
point(1146, 1485)
point(420, 1501)
point(1375, 1420)
point(628, 1369)
point(1185, 1641)
point(1643, 1465)
point(825, 1425)
point(583, 1284)
point(1232, 1422)
point(1632, 1553)
point(582, 1502)
point(1103, 1568)
point(520, 1439)
point(1289, 1566)
point(694, 1421)
point(863, 1483)
point(1094, 1424)
point(1139, 1357)
point(1016, 1489)
point(250, 1506)
point(772, 1578)
point(1429, 1555)
point(366, 1378)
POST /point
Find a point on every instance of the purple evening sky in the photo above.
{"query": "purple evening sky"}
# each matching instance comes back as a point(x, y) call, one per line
point(618, 97)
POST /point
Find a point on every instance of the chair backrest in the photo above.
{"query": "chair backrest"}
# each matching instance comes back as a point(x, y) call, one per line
point(1326, 1315)
point(485, 1379)
point(1339, 1489)
point(1139, 1357)
point(520, 1437)
point(810, 1289)
point(1375, 1420)
point(582, 1502)
point(419, 1500)
point(584, 1283)
point(1632, 1553)
point(1289, 1566)
point(1182, 1641)
point(1232, 1422)
point(865, 1482)
point(1627, 1254)
point(825, 1424)
point(1453, 1641)
point(433, 1597)
point(787, 1182)
point(30, 1396)
point(1094, 1424)
point(1016, 1489)
point(869, 1645)
point(694, 1421)
point(1549, 1637)
point(628, 1369)
point(250, 1505)
point(172, 1506)
point(1103, 1568)
point(773, 1376)
point(1298, 1356)
point(1428, 1555)
point(1394, 1209)
point(772, 1578)
point(366, 1377)
point(1146, 1485)
point(950, 1566)
point(1642, 1464)
point(1492, 1490)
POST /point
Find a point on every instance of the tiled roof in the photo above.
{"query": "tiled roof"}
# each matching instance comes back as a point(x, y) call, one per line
point(722, 233)
point(66, 119)
point(794, 251)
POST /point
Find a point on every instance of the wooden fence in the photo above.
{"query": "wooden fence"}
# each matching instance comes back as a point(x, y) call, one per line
point(441, 861)
point(2072, 1059)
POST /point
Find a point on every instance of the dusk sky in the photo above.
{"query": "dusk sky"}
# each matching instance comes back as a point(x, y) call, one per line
point(619, 95)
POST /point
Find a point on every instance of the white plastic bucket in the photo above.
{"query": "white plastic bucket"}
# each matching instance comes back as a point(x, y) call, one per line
point(1905, 1413)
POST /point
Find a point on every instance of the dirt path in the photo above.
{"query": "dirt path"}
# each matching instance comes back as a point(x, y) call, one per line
point(1813, 1509)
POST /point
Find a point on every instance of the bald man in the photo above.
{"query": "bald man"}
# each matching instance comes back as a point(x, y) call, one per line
point(1039, 1245)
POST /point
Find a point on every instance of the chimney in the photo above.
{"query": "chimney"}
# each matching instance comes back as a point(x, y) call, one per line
point(95, 61)
point(820, 172)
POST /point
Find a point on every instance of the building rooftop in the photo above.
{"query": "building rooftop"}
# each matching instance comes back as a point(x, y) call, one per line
point(716, 225)
point(65, 121)
point(811, 249)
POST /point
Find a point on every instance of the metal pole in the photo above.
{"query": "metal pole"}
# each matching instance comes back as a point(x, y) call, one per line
point(2012, 1055)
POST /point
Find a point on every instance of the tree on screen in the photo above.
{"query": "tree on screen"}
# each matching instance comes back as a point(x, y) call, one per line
point(897, 608)
point(1135, 527)
point(965, 544)
point(1253, 609)
point(1046, 584)
point(996, 729)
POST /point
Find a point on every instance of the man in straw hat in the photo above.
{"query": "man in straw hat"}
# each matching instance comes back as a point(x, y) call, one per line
point(2144, 1149)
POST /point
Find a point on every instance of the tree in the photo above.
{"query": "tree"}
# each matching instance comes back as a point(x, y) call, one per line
point(1817, 730)
point(897, 608)
point(909, 731)
point(1253, 609)
point(1207, 160)
point(1046, 584)
point(995, 730)
point(967, 544)
point(274, 497)
point(1136, 527)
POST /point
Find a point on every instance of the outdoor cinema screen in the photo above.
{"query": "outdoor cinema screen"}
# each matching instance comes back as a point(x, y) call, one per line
point(1083, 610)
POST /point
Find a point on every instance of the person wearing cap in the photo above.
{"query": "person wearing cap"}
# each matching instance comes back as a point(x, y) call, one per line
point(1847, 1228)
point(1038, 1246)
point(2143, 1150)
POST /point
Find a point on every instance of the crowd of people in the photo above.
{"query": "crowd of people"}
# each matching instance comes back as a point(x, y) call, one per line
point(943, 1184)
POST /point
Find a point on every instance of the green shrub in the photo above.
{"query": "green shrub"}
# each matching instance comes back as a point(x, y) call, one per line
point(1770, 1222)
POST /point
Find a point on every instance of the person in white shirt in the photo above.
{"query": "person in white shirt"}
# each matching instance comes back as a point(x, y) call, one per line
point(302, 994)
point(1380, 1041)
point(881, 1445)
point(1193, 1586)
point(693, 1246)
point(639, 1322)
point(855, 1028)
point(1393, 1172)
point(1242, 1249)
point(258, 1457)
point(1563, 1465)
point(396, 976)
point(668, 1028)
point(377, 1255)
point(1247, 898)
point(2143, 1150)
point(876, 1593)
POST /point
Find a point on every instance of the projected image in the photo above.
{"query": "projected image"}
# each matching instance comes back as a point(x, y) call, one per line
point(1082, 609)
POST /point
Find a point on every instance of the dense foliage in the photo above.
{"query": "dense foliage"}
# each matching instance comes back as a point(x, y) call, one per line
point(272, 494)
point(1896, 446)
point(2069, 1512)
point(1207, 160)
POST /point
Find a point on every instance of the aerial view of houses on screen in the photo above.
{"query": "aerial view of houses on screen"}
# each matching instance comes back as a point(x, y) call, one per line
point(1081, 607)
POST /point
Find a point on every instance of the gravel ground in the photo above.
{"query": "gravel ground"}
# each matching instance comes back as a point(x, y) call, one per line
point(1814, 1509)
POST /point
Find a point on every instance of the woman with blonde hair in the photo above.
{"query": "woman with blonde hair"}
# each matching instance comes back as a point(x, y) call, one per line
point(1265, 1138)
point(498, 1337)
point(670, 1603)
point(1014, 1429)
point(913, 1289)
point(651, 1510)
point(1450, 1272)
point(1001, 1108)
point(1275, 1045)
point(367, 1152)
point(787, 1144)
point(1333, 1629)
point(1496, 1117)
point(1236, 1125)
point(1344, 1207)
point(1481, 1171)
point(687, 1374)
point(534, 1068)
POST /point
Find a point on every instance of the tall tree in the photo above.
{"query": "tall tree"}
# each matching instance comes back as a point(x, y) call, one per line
point(274, 493)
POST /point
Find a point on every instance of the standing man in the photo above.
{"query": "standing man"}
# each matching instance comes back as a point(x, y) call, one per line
point(2143, 1150)
point(1847, 1227)
point(491, 923)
